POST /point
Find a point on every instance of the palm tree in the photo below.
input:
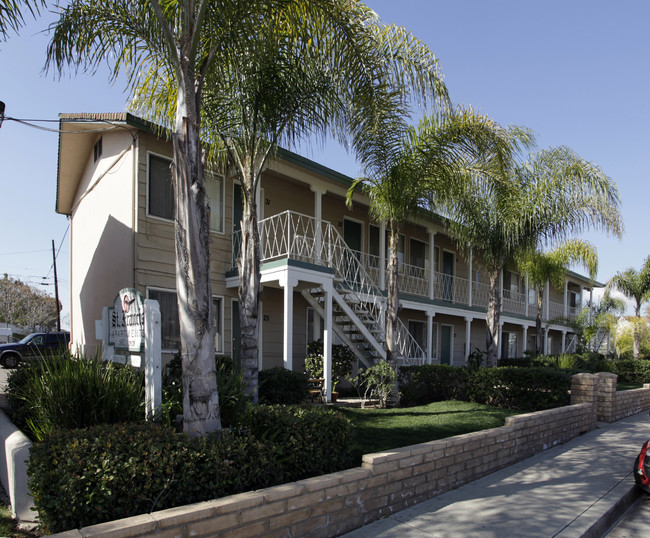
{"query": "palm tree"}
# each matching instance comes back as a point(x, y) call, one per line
point(11, 14)
point(270, 71)
point(634, 285)
point(552, 194)
point(432, 159)
point(180, 42)
point(552, 266)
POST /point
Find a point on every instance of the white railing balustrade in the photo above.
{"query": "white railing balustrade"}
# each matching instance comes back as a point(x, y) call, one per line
point(301, 237)
point(514, 302)
point(555, 310)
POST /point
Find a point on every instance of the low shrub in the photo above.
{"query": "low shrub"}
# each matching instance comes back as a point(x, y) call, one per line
point(379, 381)
point(508, 387)
point(530, 389)
point(343, 360)
point(311, 440)
point(629, 370)
point(114, 471)
point(428, 383)
point(73, 392)
point(282, 386)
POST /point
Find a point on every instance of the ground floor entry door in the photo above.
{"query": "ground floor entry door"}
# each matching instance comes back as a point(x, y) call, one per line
point(445, 343)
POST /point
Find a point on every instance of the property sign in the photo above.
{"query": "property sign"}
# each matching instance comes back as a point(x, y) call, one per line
point(126, 321)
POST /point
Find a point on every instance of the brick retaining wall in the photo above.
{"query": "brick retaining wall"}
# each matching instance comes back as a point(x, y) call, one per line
point(386, 482)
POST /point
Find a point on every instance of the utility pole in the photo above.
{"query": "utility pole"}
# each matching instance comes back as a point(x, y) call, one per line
point(56, 291)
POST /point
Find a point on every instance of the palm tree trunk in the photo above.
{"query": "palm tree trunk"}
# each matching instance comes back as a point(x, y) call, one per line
point(636, 345)
point(249, 288)
point(392, 306)
point(492, 320)
point(200, 396)
point(539, 336)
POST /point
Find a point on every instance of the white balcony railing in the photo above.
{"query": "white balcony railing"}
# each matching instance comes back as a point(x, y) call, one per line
point(301, 237)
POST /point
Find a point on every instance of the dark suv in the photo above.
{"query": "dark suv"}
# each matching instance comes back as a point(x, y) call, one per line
point(32, 346)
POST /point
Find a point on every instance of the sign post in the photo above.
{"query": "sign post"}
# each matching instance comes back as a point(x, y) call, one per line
point(132, 326)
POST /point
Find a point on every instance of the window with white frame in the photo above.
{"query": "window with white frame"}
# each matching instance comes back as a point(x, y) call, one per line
point(214, 186)
point(169, 323)
point(160, 189)
point(217, 316)
point(161, 192)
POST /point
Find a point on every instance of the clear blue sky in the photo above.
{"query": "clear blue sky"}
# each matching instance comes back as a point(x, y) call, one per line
point(576, 72)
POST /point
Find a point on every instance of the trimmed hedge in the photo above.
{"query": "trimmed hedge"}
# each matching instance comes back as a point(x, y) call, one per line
point(428, 383)
point(513, 388)
point(311, 441)
point(281, 386)
point(529, 389)
point(89, 476)
point(630, 370)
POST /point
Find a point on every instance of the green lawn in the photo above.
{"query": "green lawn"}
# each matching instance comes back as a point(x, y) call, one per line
point(628, 386)
point(377, 430)
point(8, 526)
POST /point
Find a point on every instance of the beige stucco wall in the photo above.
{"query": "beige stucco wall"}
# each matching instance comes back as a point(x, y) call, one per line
point(101, 252)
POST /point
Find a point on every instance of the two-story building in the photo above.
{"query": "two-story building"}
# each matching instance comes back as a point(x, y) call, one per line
point(322, 263)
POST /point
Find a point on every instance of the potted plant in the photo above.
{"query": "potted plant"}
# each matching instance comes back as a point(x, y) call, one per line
point(342, 361)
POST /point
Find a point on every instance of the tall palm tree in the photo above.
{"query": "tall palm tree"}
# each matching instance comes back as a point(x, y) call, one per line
point(553, 194)
point(634, 285)
point(552, 266)
point(424, 169)
point(179, 42)
point(12, 14)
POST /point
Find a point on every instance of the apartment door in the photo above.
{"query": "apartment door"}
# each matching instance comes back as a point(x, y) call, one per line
point(352, 231)
point(446, 343)
point(447, 276)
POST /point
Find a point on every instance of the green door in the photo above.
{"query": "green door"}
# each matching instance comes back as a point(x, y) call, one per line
point(445, 344)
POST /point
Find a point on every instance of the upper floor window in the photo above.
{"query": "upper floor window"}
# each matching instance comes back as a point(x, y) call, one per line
point(97, 150)
point(161, 192)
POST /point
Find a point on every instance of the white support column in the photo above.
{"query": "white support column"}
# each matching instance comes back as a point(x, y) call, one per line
point(524, 348)
point(499, 342)
point(500, 293)
point(547, 295)
point(152, 359)
point(469, 278)
point(260, 334)
point(432, 259)
point(468, 337)
point(382, 255)
point(328, 338)
point(287, 326)
point(566, 302)
point(563, 340)
point(546, 341)
point(526, 300)
point(318, 216)
point(430, 350)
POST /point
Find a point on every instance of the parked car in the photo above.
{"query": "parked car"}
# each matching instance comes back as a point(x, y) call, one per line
point(33, 346)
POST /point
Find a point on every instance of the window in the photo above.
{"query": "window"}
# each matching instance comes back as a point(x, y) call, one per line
point(373, 246)
point(417, 258)
point(214, 192)
point(510, 284)
point(97, 150)
point(217, 314)
point(509, 345)
point(169, 326)
point(161, 190)
point(418, 330)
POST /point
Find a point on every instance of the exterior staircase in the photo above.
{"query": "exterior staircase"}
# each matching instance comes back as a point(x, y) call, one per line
point(358, 305)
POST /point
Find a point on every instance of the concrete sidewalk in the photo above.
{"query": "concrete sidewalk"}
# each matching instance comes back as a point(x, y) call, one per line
point(577, 489)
